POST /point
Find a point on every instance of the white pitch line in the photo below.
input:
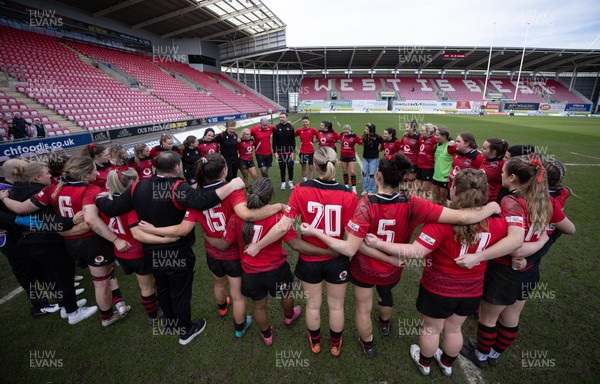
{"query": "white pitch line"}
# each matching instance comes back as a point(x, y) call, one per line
point(10, 295)
point(472, 373)
point(591, 157)
point(582, 165)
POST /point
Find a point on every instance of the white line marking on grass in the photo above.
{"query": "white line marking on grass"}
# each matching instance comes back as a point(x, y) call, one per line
point(582, 165)
point(472, 373)
point(591, 157)
point(10, 295)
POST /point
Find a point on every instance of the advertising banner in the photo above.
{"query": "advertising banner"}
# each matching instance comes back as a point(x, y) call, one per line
point(19, 148)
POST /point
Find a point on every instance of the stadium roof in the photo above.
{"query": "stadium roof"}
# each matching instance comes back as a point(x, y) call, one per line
point(211, 20)
point(415, 58)
point(230, 21)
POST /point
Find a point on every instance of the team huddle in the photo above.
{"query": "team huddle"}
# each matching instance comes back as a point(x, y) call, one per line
point(488, 216)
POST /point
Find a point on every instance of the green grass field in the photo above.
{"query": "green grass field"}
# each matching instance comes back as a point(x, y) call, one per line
point(558, 332)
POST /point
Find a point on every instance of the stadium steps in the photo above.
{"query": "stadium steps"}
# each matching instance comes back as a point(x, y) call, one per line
point(256, 93)
point(42, 109)
point(81, 56)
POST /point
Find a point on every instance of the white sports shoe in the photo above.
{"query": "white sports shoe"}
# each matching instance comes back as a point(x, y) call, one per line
point(122, 308)
point(415, 351)
point(291, 184)
point(283, 186)
point(81, 314)
point(447, 371)
point(63, 311)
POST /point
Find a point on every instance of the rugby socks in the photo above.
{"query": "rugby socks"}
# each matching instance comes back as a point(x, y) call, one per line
point(315, 336)
point(506, 336)
point(384, 323)
point(486, 337)
point(150, 304)
point(345, 179)
point(367, 344)
point(239, 327)
point(424, 360)
point(447, 360)
point(266, 333)
point(116, 296)
point(105, 315)
point(335, 338)
point(353, 180)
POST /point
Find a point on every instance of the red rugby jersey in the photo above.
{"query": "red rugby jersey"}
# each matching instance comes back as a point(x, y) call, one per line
point(348, 143)
point(427, 149)
point(307, 135)
point(245, 149)
point(269, 258)
point(460, 161)
point(207, 147)
point(69, 200)
point(262, 137)
point(493, 172)
point(102, 175)
point(326, 205)
point(441, 274)
point(143, 169)
point(410, 148)
point(121, 226)
point(328, 139)
point(392, 218)
point(214, 221)
point(391, 147)
point(514, 209)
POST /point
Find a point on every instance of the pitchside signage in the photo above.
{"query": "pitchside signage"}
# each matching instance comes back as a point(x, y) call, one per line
point(122, 133)
point(578, 108)
point(522, 106)
point(19, 148)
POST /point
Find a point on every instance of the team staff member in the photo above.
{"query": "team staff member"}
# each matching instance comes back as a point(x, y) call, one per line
point(284, 146)
point(442, 166)
point(228, 142)
point(348, 155)
point(165, 143)
point(447, 293)
point(392, 217)
point(225, 265)
point(189, 158)
point(426, 160)
point(327, 205)
point(162, 201)
point(528, 211)
point(308, 136)
point(371, 141)
point(93, 248)
point(262, 137)
point(493, 151)
point(245, 149)
point(142, 161)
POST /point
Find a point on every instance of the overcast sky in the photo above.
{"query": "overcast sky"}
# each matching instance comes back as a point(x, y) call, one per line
point(554, 24)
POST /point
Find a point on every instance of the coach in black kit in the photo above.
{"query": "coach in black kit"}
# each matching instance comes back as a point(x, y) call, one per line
point(162, 200)
point(284, 146)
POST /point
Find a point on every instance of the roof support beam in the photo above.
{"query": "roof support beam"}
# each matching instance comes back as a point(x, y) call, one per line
point(483, 60)
point(225, 32)
point(116, 7)
point(211, 22)
point(179, 12)
point(377, 59)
